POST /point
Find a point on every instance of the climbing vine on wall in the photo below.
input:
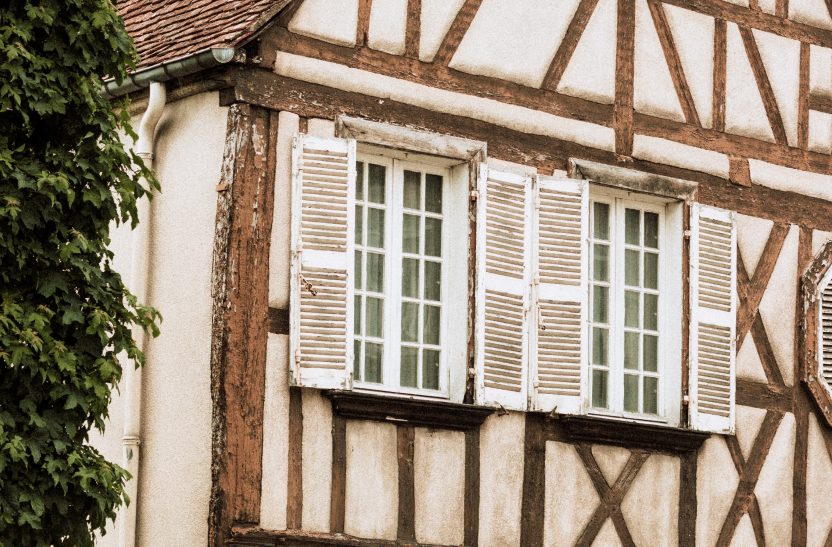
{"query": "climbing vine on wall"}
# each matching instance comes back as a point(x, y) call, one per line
point(67, 322)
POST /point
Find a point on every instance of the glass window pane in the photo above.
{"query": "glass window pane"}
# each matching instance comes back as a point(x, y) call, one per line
point(601, 221)
point(599, 389)
point(632, 226)
point(372, 362)
point(651, 312)
point(433, 193)
point(430, 334)
point(631, 267)
point(433, 281)
point(631, 306)
point(410, 322)
point(601, 262)
point(631, 350)
point(410, 277)
point(375, 272)
point(376, 183)
point(356, 314)
point(430, 369)
point(630, 393)
point(410, 234)
point(359, 181)
point(374, 317)
point(410, 365)
point(375, 228)
point(651, 230)
point(600, 304)
point(651, 395)
point(651, 270)
point(600, 346)
point(651, 353)
point(433, 237)
point(359, 225)
point(412, 190)
point(356, 364)
point(358, 269)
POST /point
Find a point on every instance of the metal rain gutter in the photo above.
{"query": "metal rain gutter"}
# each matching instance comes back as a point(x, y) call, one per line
point(183, 66)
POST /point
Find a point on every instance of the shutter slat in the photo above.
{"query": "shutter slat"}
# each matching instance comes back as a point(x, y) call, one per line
point(323, 173)
point(559, 356)
point(713, 319)
point(825, 355)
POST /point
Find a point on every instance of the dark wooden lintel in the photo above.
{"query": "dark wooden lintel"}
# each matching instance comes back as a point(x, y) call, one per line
point(585, 429)
point(402, 410)
point(244, 536)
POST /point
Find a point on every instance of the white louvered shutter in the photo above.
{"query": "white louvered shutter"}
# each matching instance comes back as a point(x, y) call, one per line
point(323, 221)
point(504, 280)
point(825, 334)
point(562, 227)
point(713, 296)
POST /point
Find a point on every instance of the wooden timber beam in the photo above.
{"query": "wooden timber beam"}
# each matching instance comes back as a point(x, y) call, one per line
point(363, 25)
point(622, 121)
point(454, 36)
point(413, 29)
point(764, 85)
point(757, 19)
point(820, 103)
point(803, 98)
point(551, 102)
point(567, 46)
point(240, 290)
point(265, 88)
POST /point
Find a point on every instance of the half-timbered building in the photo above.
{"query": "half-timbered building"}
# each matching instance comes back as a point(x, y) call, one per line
point(480, 272)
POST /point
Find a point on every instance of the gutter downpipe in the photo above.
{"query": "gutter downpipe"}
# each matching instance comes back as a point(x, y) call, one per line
point(140, 269)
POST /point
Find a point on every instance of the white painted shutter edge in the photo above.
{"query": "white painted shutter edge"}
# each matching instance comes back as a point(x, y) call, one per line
point(551, 297)
point(490, 395)
point(323, 378)
point(712, 320)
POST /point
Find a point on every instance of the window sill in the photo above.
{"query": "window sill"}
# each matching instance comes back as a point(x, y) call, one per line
point(417, 412)
point(252, 536)
point(630, 434)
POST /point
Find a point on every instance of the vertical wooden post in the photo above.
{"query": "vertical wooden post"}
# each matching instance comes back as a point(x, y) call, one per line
point(405, 437)
point(471, 513)
point(534, 482)
point(803, 98)
point(720, 73)
point(687, 499)
point(624, 70)
point(294, 482)
point(337, 511)
point(240, 292)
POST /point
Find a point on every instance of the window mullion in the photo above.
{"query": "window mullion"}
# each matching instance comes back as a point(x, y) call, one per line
point(617, 329)
point(394, 262)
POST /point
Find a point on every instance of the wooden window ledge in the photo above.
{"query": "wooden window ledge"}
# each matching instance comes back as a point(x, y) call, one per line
point(417, 412)
point(252, 536)
point(587, 429)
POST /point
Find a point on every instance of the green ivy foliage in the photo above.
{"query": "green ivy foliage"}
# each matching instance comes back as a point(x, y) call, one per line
point(65, 314)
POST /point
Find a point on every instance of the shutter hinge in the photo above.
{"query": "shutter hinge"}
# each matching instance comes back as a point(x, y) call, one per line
point(475, 195)
point(687, 234)
point(307, 285)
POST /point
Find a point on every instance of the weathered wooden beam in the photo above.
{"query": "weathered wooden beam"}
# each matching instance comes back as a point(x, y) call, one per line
point(471, 500)
point(820, 103)
point(687, 499)
point(413, 29)
point(338, 501)
point(278, 321)
point(454, 36)
point(363, 26)
point(766, 353)
point(739, 172)
point(764, 86)
point(674, 63)
point(622, 121)
point(263, 87)
point(803, 98)
point(294, 480)
point(405, 442)
point(759, 395)
point(567, 46)
point(720, 73)
point(757, 19)
point(534, 482)
point(240, 293)
point(252, 536)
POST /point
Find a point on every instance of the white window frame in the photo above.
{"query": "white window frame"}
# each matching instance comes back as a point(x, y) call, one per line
point(671, 237)
point(453, 333)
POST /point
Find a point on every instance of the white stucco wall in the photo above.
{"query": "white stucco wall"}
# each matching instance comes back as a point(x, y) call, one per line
point(175, 473)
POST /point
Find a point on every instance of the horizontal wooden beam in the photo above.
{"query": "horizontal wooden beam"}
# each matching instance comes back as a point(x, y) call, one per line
point(759, 395)
point(265, 88)
point(820, 103)
point(543, 100)
point(583, 429)
point(758, 20)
